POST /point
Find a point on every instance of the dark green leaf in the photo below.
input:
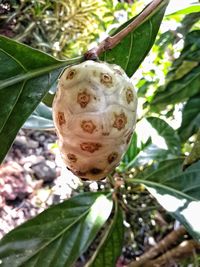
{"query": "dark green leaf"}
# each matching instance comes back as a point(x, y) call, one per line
point(167, 132)
point(40, 119)
point(132, 50)
point(179, 90)
point(189, 57)
point(59, 235)
point(177, 191)
point(191, 50)
point(26, 75)
point(190, 118)
point(188, 22)
point(111, 244)
point(183, 80)
point(132, 150)
point(194, 155)
point(48, 99)
point(147, 155)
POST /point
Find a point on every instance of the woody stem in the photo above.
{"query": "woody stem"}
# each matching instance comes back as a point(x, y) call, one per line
point(111, 41)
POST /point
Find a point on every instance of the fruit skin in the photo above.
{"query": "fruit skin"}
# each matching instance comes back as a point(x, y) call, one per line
point(94, 113)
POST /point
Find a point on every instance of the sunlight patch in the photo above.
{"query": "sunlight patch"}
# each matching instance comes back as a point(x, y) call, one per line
point(191, 213)
point(100, 209)
point(144, 130)
point(170, 203)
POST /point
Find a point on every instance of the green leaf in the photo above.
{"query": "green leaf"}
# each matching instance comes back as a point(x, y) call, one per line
point(183, 80)
point(40, 119)
point(194, 154)
point(147, 155)
point(191, 48)
point(177, 191)
point(59, 235)
point(48, 99)
point(179, 90)
point(189, 21)
point(132, 150)
point(111, 244)
point(186, 10)
point(167, 132)
point(26, 75)
point(132, 50)
point(192, 43)
point(190, 118)
point(184, 68)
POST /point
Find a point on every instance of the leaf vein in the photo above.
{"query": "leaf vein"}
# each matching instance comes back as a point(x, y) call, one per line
point(130, 50)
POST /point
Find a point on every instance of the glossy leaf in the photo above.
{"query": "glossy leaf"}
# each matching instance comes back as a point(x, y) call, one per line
point(176, 190)
point(59, 235)
point(132, 150)
point(40, 119)
point(147, 155)
point(167, 132)
point(26, 75)
point(190, 118)
point(132, 50)
point(111, 244)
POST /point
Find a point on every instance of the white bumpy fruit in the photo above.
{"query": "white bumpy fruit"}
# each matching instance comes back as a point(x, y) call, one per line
point(94, 112)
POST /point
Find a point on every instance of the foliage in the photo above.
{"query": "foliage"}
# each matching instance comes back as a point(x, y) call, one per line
point(29, 74)
point(135, 49)
point(53, 26)
point(28, 69)
point(175, 190)
point(62, 28)
point(155, 158)
point(42, 240)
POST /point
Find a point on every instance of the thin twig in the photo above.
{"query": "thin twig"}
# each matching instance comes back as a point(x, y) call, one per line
point(159, 248)
point(111, 41)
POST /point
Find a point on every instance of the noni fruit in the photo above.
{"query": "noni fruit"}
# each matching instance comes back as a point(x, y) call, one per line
point(94, 112)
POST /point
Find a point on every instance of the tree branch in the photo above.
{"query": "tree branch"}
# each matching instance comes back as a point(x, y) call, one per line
point(159, 248)
point(111, 41)
point(185, 249)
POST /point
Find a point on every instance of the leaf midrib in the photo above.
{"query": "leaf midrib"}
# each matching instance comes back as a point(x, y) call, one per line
point(130, 50)
point(180, 174)
point(57, 236)
point(14, 59)
point(130, 164)
point(35, 73)
point(163, 168)
point(166, 188)
point(104, 238)
point(63, 231)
